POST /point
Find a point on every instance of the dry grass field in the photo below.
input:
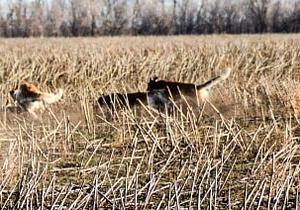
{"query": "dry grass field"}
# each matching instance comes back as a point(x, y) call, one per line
point(240, 150)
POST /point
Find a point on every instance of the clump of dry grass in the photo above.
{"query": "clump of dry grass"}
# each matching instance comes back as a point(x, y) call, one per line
point(239, 150)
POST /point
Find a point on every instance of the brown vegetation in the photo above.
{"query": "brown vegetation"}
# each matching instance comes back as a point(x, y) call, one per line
point(238, 150)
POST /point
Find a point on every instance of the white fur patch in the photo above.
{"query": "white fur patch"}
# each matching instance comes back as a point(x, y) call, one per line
point(204, 94)
point(157, 99)
point(32, 104)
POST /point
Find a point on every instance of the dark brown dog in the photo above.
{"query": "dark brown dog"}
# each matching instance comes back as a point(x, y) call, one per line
point(177, 89)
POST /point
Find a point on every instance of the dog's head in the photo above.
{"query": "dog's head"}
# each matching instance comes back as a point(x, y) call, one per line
point(26, 90)
point(29, 87)
point(152, 83)
point(29, 90)
point(105, 100)
point(101, 100)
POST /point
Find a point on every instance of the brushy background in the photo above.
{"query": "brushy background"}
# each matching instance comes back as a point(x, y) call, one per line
point(240, 150)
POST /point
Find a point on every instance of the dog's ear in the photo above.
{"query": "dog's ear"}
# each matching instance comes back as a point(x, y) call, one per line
point(101, 99)
point(24, 86)
point(153, 79)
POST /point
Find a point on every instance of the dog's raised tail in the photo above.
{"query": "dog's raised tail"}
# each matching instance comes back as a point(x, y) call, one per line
point(207, 85)
point(51, 98)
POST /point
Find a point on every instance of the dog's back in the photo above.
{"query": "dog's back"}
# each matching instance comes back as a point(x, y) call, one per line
point(176, 89)
point(173, 88)
point(120, 99)
point(50, 98)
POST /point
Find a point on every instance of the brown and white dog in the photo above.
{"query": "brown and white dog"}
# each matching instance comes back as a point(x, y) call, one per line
point(30, 99)
point(156, 99)
point(177, 89)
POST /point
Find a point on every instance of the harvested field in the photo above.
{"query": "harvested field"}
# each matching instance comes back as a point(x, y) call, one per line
point(240, 150)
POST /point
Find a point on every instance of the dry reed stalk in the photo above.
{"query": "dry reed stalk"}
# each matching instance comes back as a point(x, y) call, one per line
point(196, 155)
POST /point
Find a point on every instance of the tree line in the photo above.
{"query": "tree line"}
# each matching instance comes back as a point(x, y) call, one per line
point(72, 18)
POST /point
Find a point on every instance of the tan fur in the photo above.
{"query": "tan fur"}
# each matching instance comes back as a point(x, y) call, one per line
point(30, 99)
